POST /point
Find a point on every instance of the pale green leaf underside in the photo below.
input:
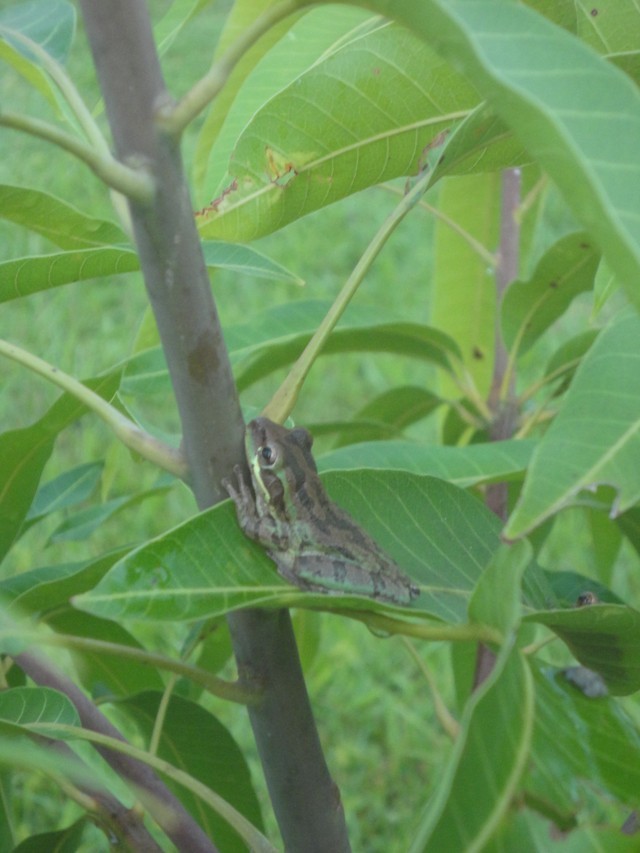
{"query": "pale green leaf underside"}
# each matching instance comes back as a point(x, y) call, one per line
point(462, 466)
point(361, 116)
point(595, 439)
point(441, 536)
point(24, 276)
point(35, 709)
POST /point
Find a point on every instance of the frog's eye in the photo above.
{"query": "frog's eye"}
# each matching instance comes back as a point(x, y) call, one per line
point(267, 454)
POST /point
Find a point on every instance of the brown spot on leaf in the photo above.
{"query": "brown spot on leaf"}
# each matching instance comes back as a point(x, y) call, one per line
point(553, 285)
point(477, 353)
point(376, 72)
point(594, 13)
point(213, 206)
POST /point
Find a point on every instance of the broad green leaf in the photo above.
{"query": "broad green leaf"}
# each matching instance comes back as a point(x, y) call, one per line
point(26, 452)
point(24, 276)
point(576, 114)
point(31, 73)
point(103, 674)
point(463, 466)
point(50, 587)
point(496, 600)
point(476, 788)
point(530, 307)
point(612, 29)
point(606, 755)
point(48, 23)
point(35, 708)
point(66, 490)
point(604, 638)
point(441, 536)
point(595, 439)
point(464, 291)
point(221, 766)
point(64, 225)
point(271, 65)
point(363, 115)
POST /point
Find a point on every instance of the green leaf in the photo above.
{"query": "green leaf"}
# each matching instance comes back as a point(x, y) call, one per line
point(496, 600)
point(221, 766)
point(606, 755)
point(568, 586)
point(67, 840)
point(52, 586)
point(26, 452)
point(569, 354)
point(577, 115)
point(491, 752)
point(104, 674)
point(441, 536)
point(463, 466)
point(604, 638)
point(36, 708)
point(48, 23)
point(24, 276)
point(530, 307)
point(66, 490)
point(83, 523)
point(363, 115)
point(595, 437)
point(64, 225)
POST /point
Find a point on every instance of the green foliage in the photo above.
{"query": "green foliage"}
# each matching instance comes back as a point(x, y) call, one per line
point(332, 102)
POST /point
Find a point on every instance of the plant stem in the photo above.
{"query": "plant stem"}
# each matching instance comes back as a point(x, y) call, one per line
point(305, 799)
point(127, 431)
point(176, 118)
point(283, 401)
point(134, 183)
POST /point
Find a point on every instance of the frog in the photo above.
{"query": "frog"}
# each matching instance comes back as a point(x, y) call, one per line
point(315, 544)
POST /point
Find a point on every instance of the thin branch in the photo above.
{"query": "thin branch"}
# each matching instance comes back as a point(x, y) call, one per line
point(435, 632)
point(127, 431)
point(489, 258)
point(133, 183)
point(161, 804)
point(447, 721)
point(174, 119)
point(232, 692)
point(283, 401)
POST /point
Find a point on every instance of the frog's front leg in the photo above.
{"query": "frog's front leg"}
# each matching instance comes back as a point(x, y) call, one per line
point(261, 528)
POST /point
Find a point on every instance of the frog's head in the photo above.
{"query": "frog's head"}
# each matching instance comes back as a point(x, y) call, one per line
point(280, 460)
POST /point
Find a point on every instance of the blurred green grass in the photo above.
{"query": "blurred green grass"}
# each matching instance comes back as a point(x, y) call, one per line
point(373, 708)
